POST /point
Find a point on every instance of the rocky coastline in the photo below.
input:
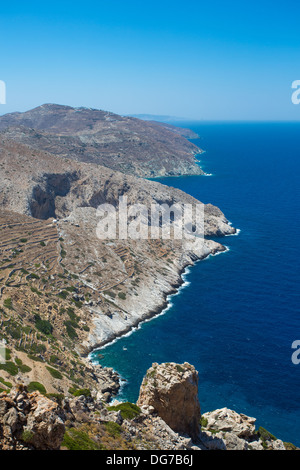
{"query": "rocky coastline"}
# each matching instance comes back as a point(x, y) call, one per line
point(167, 416)
point(160, 308)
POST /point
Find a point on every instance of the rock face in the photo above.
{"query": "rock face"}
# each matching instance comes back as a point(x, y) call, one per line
point(172, 392)
point(225, 429)
point(29, 421)
point(169, 397)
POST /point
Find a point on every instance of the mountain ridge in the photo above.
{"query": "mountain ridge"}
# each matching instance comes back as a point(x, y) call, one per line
point(141, 148)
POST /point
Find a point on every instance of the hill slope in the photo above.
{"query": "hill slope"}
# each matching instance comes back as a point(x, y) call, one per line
point(130, 145)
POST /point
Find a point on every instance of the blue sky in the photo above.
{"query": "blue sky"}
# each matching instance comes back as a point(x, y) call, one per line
point(209, 60)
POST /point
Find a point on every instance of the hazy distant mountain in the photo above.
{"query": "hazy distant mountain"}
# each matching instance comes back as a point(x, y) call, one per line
point(157, 117)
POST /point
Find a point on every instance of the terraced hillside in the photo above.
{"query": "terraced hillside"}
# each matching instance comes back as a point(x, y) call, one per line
point(41, 316)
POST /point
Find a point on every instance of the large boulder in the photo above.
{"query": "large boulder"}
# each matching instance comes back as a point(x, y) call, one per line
point(171, 390)
point(29, 421)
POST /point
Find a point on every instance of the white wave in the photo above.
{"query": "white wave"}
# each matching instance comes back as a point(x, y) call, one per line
point(238, 230)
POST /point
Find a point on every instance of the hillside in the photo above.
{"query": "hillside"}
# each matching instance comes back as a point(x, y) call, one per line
point(64, 291)
point(126, 144)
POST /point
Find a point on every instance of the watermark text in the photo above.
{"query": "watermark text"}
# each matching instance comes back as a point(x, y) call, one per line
point(2, 92)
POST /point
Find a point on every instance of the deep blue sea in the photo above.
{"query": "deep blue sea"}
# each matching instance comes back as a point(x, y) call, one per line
point(238, 314)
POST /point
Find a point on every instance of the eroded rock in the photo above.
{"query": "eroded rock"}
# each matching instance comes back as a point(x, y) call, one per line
point(172, 390)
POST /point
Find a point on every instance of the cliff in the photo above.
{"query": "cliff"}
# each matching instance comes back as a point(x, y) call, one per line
point(166, 417)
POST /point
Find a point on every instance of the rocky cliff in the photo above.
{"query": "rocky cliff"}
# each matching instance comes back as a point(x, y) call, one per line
point(167, 418)
point(171, 390)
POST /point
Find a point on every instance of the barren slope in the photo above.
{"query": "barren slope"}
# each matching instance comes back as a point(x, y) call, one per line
point(130, 145)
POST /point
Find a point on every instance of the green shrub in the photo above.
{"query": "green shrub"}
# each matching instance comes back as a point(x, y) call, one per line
point(110, 293)
point(36, 386)
point(9, 367)
point(265, 435)
point(58, 397)
point(23, 368)
point(7, 354)
point(63, 295)
point(34, 276)
point(54, 359)
point(78, 303)
point(44, 326)
point(35, 290)
point(128, 410)
point(7, 384)
point(8, 303)
point(54, 372)
point(75, 439)
point(203, 422)
point(77, 392)
point(72, 315)
point(114, 429)
point(122, 295)
point(35, 358)
point(70, 330)
point(27, 436)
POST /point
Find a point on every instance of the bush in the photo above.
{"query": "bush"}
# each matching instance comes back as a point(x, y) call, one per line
point(58, 397)
point(23, 368)
point(27, 435)
point(77, 392)
point(44, 326)
point(128, 410)
point(55, 373)
point(265, 435)
point(9, 367)
point(36, 386)
point(8, 303)
point(63, 294)
point(75, 439)
point(70, 330)
point(7, 384)
point(114, 429)
point(54, 359)
point(34, 276)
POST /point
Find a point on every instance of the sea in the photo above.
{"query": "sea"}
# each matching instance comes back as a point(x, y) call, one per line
point(236, 316)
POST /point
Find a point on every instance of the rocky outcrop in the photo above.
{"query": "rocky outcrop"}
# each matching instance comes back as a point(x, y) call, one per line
point(166, 417)
point(171, 390)
point(29, 421)
point(225, 429)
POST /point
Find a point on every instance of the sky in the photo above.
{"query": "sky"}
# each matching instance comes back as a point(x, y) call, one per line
point(201, 60)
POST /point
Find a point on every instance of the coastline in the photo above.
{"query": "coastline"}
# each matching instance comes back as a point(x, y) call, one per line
point(160, 309)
